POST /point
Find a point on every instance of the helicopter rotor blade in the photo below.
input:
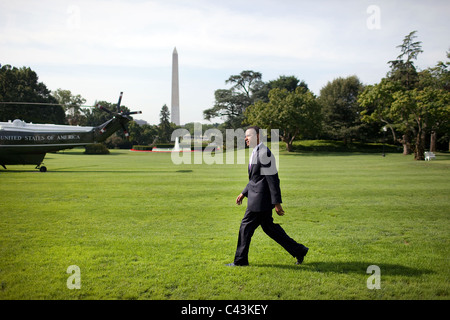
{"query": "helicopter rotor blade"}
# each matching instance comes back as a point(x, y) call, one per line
point(105, 109)
point(132, 112)
point(118, 103)
point(127, 135)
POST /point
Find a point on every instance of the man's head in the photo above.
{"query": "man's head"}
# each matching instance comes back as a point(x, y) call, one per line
point(252, 136)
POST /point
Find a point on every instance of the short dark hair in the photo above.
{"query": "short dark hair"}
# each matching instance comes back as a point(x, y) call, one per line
point(256, 128)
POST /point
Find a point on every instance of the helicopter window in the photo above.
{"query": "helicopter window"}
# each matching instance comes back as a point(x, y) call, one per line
point(18, 123)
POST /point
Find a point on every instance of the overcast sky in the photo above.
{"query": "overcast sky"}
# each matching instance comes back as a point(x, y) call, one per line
point(98, 48)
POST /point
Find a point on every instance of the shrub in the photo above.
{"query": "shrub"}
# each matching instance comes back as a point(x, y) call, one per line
point(142, 148)
point(165, 145)
point(96, 148)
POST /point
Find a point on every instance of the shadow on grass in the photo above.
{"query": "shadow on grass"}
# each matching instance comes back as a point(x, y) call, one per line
point(89, 169)
point(331, 153)
point(75, 153)
point(350, 267)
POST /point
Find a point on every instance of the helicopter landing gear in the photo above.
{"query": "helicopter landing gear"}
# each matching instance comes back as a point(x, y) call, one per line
point(41, 168)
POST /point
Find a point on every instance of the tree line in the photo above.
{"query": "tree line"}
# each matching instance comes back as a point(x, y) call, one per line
point(412, 106)
point(23, 96)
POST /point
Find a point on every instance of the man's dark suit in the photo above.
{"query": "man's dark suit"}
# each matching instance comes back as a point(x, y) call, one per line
point(263, 192)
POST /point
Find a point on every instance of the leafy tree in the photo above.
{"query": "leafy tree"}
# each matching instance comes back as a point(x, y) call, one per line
point(340, 108)
point(165, 126)
point(245, 82)
point(375, 102)
point(404, 73)
point(295, 114)
point(430, 111)
point(438, 77)
point(230, 104)
point(72, 106)
point(290, 83)
point(142, 134)
point(407, 101)
point(95, 116)
point(190, 126)
point(34, 101)
point(402, 70)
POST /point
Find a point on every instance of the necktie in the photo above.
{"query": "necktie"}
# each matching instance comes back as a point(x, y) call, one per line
point(251, 160)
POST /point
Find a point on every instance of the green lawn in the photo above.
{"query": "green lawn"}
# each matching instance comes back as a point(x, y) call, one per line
point(140, 227)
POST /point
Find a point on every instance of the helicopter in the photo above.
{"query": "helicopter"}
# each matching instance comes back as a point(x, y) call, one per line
point(27, 143)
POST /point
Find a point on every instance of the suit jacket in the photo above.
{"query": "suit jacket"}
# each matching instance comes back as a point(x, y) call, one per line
point(263, 189)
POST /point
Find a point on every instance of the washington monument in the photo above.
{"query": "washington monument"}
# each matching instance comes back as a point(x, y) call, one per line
point(175, 110)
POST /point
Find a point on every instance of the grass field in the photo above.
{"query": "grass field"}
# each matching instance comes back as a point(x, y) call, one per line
point(140, 227)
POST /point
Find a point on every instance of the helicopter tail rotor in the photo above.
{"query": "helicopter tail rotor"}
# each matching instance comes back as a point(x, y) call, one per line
point(122, 116)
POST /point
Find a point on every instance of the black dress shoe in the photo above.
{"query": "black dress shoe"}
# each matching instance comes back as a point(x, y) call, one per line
point(235, 265)
point(302, 256)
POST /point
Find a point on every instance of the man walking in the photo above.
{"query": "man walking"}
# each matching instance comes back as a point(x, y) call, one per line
point(264, 194)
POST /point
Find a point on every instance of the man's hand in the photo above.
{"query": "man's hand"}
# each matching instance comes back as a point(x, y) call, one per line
point(239, 199)
point(279, 209)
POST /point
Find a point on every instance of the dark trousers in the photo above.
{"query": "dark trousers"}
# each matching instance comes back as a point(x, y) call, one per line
point(253, 220)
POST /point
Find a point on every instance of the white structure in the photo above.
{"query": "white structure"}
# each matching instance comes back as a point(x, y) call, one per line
point(176, 148)
point(177, 145)
point(429, 156)
point(175, 109)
